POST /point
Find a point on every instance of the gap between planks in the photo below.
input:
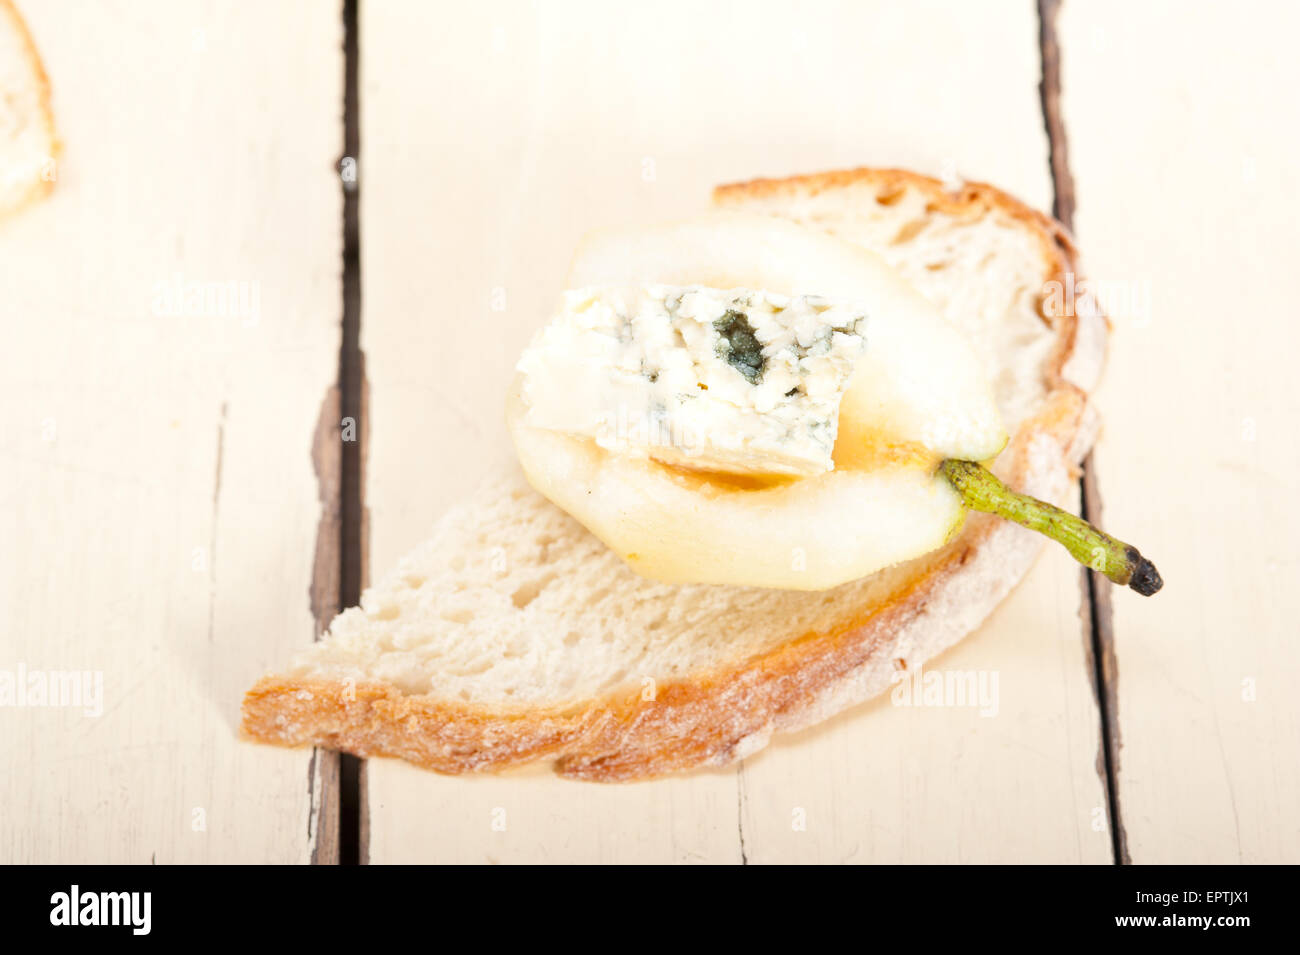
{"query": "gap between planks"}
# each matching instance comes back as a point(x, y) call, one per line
point(337, 824)
point(354, 836)
point(1098, 628)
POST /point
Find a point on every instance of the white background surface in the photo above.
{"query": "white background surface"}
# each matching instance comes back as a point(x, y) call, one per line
point(165, 533)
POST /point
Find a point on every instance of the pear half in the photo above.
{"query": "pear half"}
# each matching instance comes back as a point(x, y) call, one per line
point(917, 395)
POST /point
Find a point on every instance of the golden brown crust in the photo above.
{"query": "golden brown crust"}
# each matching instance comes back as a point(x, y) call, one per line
point(39, 187)
point(725, 715)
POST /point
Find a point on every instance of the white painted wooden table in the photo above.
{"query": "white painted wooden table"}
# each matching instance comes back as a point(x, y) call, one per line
point(171, 471)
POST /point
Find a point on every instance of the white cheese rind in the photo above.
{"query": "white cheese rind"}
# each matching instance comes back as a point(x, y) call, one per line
point(735, 380)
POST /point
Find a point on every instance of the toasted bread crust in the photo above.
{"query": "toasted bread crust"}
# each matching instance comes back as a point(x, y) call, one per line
point(39, 187)
point(716, 718)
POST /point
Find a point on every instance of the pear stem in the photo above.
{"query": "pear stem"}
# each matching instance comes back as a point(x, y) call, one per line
point(1121, 562)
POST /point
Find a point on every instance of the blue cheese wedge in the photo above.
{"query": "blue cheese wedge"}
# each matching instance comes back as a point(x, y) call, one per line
point(737, 380)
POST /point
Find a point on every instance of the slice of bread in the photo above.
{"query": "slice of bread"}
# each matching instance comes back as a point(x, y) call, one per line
point(514, 635)
point(28, 145)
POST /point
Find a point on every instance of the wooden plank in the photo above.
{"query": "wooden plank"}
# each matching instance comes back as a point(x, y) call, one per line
point(1186, 200)
point(569, 117)
point(160, 509)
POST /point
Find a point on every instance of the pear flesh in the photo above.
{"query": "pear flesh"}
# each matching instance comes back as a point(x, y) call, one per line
point(680, 526)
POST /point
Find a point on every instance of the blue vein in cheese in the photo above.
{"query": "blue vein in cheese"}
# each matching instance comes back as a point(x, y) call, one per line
point(736, 380)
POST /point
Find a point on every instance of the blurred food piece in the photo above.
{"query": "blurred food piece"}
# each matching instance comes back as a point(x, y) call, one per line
point(29, 148)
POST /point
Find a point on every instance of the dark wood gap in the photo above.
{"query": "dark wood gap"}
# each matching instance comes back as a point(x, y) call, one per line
point(353, 809)
point(1105, 669)
point(323, 767)
point(323, 770)
point(1099, 627)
